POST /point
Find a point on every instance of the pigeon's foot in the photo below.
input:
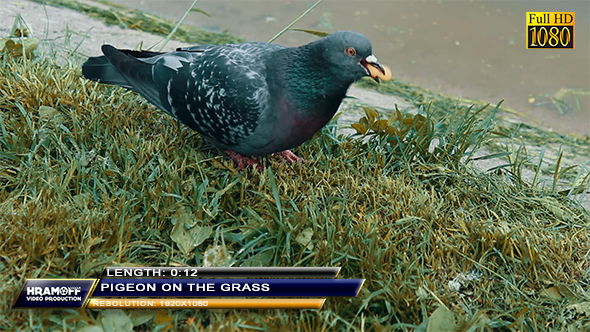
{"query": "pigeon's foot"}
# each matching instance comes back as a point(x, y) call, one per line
point(290, 157)
point(244, 161)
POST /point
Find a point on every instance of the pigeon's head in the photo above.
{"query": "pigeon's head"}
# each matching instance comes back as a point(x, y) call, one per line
point(350, 56)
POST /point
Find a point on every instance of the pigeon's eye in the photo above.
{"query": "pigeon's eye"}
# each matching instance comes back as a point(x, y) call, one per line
point(350, 51)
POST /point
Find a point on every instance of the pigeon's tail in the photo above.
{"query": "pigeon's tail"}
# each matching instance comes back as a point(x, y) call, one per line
point(125, 68)
point(118, 67)
point(101, 70)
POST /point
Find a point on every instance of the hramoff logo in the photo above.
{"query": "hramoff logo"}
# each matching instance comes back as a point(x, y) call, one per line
point(52, 294)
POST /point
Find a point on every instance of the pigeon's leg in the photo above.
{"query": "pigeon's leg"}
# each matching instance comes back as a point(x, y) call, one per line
point(290, 157)
point(244, 161)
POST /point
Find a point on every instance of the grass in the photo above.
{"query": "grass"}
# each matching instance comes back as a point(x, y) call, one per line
point(516, 137)
point(93, 176)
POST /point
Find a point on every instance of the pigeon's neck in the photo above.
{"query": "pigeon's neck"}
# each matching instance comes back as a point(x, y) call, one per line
point(307, 79)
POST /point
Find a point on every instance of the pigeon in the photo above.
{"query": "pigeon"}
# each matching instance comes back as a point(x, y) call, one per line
point(249, 99)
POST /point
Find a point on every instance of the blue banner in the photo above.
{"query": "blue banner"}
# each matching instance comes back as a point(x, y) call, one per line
point(227, 287)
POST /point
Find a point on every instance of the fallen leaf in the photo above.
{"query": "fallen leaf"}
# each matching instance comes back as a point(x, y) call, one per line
point(139, 317)
point(552, 293)
point(442, 320)
point(259, 260)
point(186, 234)
point(92, 328)
point(566, 292)
point(115, 320)
point(47, 113)
point(359, 128)
point(304, 238)
point(164, 322)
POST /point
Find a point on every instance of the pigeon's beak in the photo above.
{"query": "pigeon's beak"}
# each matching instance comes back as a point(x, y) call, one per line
point(374, 69)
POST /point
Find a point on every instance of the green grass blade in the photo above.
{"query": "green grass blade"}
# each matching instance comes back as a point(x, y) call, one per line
point(294, 22)
point(275, 193)
point(169, 36)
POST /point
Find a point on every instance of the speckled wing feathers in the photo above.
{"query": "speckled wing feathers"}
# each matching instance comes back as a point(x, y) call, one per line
point(223, 92)
point(219, 91)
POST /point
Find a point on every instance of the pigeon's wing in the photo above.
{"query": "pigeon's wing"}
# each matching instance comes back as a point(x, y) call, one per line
point(221, 91)
point(218, 91)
